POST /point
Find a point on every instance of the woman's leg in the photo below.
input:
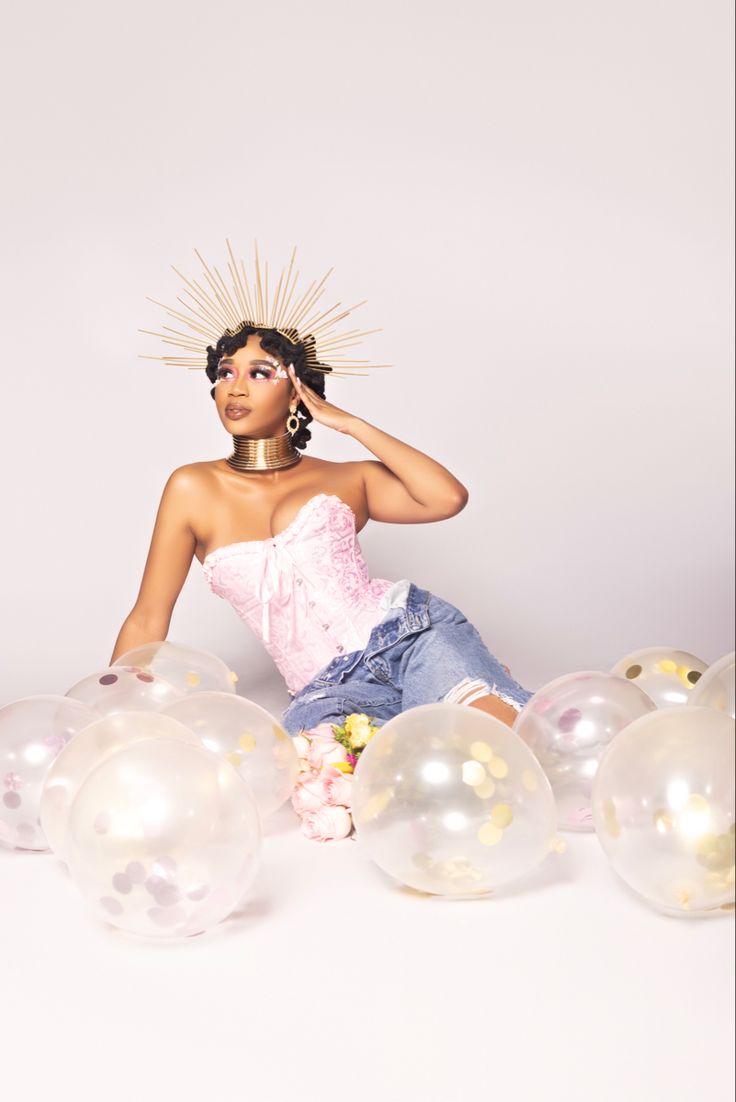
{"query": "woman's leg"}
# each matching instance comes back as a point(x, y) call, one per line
point(449, 662)
point(495, 706)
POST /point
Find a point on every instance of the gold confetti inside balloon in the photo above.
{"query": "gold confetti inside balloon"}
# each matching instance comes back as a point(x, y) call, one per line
point(249, 737)
point(189, 669)
point(568, 724)
point(164, 838)
point(717, 687)
point(449, 800)
point(663, 807)
point(87, 749)
point(667, 675)
point(33, 731)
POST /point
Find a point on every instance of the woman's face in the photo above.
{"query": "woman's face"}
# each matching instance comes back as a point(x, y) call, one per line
point(256, 381)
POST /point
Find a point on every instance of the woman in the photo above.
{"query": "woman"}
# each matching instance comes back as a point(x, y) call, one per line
point(276, 534)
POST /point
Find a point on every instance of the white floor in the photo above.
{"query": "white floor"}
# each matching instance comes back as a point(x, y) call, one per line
point(334, 983)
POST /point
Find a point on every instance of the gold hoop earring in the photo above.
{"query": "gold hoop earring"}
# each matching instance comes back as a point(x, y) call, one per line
point(291, 429)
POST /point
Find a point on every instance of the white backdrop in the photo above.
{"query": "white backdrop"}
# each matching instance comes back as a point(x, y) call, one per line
point(536, 200)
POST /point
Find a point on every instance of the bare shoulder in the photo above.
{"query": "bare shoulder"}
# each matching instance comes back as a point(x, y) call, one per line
point(184, 489)
point(193, 474)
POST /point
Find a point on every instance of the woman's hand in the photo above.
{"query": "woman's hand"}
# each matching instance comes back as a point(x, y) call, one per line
point(321, 410)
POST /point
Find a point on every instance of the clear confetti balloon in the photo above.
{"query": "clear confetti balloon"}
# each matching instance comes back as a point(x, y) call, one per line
point(187, 668)
point(663, 806)
point(88, 748)
point(33, 731)
point(249, 737)
point(717, 688)
point(568, 724)
point(450, 801)
point(665, 674)
point(164, 838)
point(124, 689)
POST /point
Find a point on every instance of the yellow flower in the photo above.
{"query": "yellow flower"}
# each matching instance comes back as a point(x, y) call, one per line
point(358, 729)
point(343, 766)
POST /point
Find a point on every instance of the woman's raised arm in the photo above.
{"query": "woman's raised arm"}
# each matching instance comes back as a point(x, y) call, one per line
point(169, 558)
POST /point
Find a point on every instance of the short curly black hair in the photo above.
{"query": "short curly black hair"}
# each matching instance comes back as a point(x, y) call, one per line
point(290, 352)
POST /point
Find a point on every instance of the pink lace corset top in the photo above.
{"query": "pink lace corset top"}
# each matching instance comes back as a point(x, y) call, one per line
point(305, 591)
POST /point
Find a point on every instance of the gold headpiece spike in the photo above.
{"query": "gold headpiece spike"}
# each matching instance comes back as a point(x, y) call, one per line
point(201, 314)
point(307, 301)
point(213, 322)
point(232, 306)
point(188, 338)
point(218, 306)
point(176, 360)
point(283, 318)
point(179, 344)
point(181, 317)
point(333, 321)
point(222, 297)
point(260, 317)
point(203, 300)
point(281, 301)
point(191, 359)
point(348, 333)
point(242, 289)
point(309, 295)
point(332, 371)
point(292, 319)
point(276, 296)
point(212, 306)
point(200, 295)
point(234, 275)
point(315, 324)
point(332, 343)
point(341, 365)
point(330, 352)
point(252, 312)
point(312, 324)
point(187, 343)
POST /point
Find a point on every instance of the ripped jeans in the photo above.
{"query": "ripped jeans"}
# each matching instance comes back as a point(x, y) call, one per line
point(421, 654)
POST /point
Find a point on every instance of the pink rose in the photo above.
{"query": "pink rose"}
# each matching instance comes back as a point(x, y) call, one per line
point(301, 745)
point(325, 750)
point(337, 788)
point(327, 824)
point(322, 730)
point(328, 788)
point(308, 793)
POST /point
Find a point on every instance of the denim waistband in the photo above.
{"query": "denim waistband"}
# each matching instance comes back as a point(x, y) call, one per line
point(399, 622)
point(395, 625)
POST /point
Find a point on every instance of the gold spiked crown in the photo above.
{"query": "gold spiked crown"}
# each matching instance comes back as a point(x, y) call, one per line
point(224, 310)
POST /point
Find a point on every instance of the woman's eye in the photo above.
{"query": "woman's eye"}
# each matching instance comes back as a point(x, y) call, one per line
point(257, 374)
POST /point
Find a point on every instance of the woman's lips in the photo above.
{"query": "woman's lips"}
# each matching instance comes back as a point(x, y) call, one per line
point(233, 413)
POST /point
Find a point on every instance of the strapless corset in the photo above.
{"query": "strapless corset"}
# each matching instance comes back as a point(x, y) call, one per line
point(305, 592)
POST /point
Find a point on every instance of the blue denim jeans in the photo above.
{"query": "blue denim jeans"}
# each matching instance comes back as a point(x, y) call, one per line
point(421, 654)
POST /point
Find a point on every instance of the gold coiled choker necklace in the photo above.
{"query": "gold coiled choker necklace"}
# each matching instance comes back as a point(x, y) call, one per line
point(271, 453)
